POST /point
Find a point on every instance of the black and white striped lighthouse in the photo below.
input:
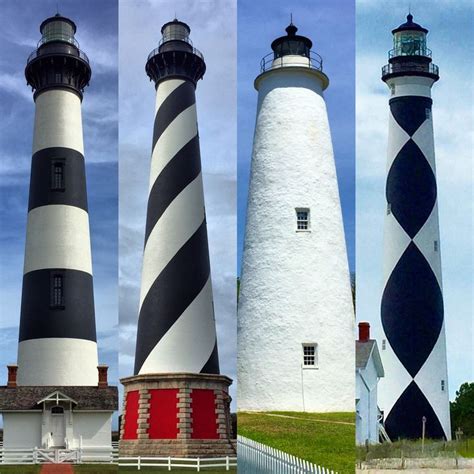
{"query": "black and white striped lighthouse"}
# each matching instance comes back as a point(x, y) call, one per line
point(415, 388)
point(57, 341)
point(177, 378)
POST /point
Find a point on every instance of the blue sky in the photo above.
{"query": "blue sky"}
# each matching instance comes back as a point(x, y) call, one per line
point(451, 39)
point(97, 35)
point(213, 32)
point(331, 26)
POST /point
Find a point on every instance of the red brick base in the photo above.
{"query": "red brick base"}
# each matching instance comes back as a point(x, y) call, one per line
point(177, 415)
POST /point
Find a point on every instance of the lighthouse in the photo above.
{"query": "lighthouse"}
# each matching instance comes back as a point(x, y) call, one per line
point(295, 315)
point(58, 395)
point(414, 391)
point(57, 343)
point(177, 403)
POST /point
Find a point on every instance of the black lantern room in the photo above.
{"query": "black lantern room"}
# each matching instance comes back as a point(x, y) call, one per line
point(175, 55)
point(410, 55)
point(58, 62)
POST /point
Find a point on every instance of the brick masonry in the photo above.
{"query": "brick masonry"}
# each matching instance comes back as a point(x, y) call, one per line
point(184, 445)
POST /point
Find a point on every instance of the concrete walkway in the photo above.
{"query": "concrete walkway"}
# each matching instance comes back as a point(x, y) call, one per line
point(57, 469)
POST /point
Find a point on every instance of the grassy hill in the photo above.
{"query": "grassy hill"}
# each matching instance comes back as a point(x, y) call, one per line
point(327, 439)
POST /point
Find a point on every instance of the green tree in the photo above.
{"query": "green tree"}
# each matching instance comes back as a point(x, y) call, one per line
point(462, 410)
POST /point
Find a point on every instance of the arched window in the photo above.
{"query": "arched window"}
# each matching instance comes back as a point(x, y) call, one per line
point(57, 410)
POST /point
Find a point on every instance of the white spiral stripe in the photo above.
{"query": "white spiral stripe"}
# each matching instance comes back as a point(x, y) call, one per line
point(165, 89)
point(175, 227)
point(179, 132)
point(188, 344)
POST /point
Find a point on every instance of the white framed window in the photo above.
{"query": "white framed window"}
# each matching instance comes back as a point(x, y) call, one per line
point(443, 385)
point(302, 219)
point(384, 344)
point(310, 355)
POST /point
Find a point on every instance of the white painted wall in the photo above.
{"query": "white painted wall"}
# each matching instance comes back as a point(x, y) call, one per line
point(95, 429)
point(366, 390)
point(295, 286)
point(22, 430)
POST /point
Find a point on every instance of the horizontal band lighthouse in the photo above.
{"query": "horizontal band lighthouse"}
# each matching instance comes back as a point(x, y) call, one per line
point(177, 403)
point(57, 396)
point(414, 392)
point(295, 315)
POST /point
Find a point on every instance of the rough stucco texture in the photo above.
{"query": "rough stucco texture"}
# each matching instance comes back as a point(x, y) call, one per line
point(295, 286)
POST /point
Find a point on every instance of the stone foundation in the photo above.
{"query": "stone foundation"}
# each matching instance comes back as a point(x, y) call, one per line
point(182, 415)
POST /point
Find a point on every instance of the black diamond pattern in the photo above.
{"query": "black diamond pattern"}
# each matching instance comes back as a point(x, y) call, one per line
point(410, 111)
point(405, 418)
point(412, 309)
point(411, 188)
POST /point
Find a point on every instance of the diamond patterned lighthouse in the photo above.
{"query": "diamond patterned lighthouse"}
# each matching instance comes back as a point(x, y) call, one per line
point(177, 403)
point(416, 384)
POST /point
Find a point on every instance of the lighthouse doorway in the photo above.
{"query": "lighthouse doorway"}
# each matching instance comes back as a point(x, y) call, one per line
point(58, 432)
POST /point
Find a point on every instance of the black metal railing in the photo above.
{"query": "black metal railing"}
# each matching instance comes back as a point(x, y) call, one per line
point(314, 61)
point(52, 51)
point(193, 51)
point(397, 52)
point(394, 68)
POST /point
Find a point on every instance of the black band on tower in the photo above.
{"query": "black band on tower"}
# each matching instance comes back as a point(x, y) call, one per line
point(44, 314)
point(58, 177)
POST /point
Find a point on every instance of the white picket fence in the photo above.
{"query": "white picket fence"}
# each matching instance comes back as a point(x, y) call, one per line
point(95, 454)
point(258, 458)
point(196, 464)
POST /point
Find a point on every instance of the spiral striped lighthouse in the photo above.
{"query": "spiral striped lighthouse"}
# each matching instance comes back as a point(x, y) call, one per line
point(295, 315)
point(415, 388)
point(177, 377)
point(57, 343)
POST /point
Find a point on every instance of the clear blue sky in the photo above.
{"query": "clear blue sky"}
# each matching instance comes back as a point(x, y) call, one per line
point(330, 24)
point(97, 35)
point(451, 38)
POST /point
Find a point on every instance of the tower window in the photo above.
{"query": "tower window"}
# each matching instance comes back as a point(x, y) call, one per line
point(443, 385)
point(435, 246)
point(384, 344)
point(392, 89)
point(302, 219)
point(310, 355)
point(57, 291)
point(57, 175)
point(428, 113)
point(389, 209)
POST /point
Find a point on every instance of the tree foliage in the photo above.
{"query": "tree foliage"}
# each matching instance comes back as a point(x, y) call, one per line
point(462, 410)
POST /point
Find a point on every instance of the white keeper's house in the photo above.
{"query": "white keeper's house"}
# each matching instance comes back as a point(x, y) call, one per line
point(369, 370)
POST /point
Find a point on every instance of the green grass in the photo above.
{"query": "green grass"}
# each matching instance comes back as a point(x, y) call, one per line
point(129, 470)
point(466, 448)
point(23, 469)
point(315, 437)
point(413, 449)
point(95, 468)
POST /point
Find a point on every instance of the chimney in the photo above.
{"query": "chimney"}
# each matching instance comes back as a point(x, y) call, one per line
point(103, 375)
point(364, 332)
point(12, 370)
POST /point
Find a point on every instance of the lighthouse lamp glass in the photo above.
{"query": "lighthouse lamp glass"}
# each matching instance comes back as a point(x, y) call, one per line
point(410, 43)
point(58, 31)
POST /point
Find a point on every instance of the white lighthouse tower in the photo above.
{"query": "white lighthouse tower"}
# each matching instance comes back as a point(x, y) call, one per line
point(413, 346)
point(296, 318)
